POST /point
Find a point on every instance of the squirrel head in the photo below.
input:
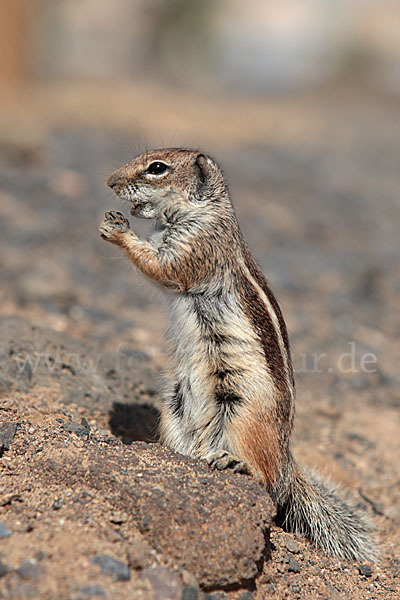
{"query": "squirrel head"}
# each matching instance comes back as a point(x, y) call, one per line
point(172, 180)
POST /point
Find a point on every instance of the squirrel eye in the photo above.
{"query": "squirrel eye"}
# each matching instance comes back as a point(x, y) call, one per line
point(157, 168)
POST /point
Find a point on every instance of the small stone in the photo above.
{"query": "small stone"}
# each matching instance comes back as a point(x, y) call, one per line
point(57, 504)
point(7, 433)
point(294, 566)
point(3, 569)
point(365, 570)
point(190, 593)
point(29, 569)
point(92, 590)
point(4, 531)
point(111, 566)
point(81, 429)
point(166, 585)
point(292, 546)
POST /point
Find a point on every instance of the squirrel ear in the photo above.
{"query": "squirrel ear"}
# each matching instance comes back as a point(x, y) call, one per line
point(202, 166)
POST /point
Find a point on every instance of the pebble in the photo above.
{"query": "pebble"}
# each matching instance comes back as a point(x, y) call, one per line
point(111, 566)
point(292, 546)
point(81, 429)
point(365, 570)
point(294, 566)
point(57, 504)
point(7, 433)
point(4, 531)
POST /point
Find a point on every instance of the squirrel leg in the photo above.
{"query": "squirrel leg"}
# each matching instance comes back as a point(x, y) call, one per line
point(115, 229)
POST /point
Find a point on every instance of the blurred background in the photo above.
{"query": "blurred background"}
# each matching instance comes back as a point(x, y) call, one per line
point(227, 45)
point(298, 100)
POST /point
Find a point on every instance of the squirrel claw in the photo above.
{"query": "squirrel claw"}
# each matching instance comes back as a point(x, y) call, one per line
point(114, 224)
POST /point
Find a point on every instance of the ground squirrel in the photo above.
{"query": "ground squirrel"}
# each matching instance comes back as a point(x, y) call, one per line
point(230, 395)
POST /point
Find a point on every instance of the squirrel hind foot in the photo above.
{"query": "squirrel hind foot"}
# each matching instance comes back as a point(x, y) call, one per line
point(222, 460)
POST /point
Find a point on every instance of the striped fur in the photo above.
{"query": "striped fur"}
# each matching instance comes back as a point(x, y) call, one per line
point(230, 394)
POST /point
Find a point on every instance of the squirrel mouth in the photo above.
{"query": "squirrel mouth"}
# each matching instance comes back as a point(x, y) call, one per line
point(141, 208)
point(134, 204)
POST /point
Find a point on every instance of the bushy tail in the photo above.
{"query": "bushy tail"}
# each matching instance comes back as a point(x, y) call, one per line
point(311, 507)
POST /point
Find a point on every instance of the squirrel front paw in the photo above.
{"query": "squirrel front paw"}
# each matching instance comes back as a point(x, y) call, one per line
point(113, 226)
point(222, 460)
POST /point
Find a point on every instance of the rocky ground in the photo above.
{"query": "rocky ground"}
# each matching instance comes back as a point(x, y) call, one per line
point(90, 506)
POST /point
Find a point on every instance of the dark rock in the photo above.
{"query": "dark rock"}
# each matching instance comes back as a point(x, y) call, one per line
point(294, 566)
point(88, 591)
point(81, 429)
point(166, 585)
point(3, 569)
point(365, 570)
point(191, 524)
point(29, 569)
point(113, 567)
point(4, 531)
point(292, 546)
point(7, 433)
point(190, 593)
